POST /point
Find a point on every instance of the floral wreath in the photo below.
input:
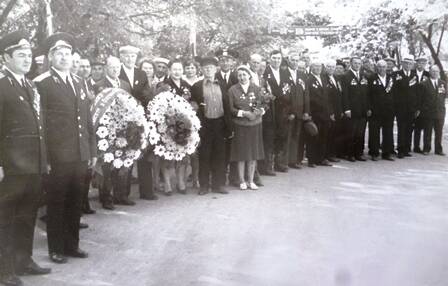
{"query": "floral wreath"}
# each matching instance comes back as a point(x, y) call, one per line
point(173, 126)
point(121, 127)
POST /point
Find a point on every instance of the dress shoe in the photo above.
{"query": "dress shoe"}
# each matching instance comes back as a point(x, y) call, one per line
point(295, 166)
point(440, 153)
point(89, 211)
point(83, 225)
point(220, 191)
point(32, 269)
point(182, 191)
point(203, 191)
point(243, 186)
point(78, 253)
point(334, 160)
point(351, 159)
point(151, 197)
point(407, 154)
point(58, 258)
point(311, 165)
point(374, 158)
point(253, 186)
point(400, 156)
point(108, 206)
point(124, 202)
point(281, 169)
point(361, 158)
point(388, 158)
point(325, 163)
point(10, 280)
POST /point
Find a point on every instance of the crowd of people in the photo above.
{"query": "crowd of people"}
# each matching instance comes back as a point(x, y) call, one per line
point(259, 116)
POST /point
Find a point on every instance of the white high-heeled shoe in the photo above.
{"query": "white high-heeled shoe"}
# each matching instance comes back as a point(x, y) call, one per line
point(243, 186)
point(252, 186)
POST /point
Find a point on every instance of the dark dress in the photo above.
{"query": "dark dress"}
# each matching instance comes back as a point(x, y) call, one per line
point(247, 143)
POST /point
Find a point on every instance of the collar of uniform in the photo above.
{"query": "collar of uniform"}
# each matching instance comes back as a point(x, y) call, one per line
point(17, 77)
point(293, 72)
point(112, 81)
point(62, 75)
point(355, 72)
point(225, 73)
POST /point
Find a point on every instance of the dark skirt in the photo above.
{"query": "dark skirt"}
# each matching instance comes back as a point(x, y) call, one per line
point(247, 143)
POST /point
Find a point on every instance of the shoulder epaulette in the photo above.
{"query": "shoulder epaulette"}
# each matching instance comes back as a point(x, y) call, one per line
point(42, 76)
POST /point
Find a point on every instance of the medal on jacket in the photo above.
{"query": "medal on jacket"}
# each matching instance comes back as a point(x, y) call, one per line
point(363, 81)
point(441, 89)
point(285, 89)
point(36, 101)
point(82, 94)
point(413, 81)
point(354, 82)
point(389, 86)
point(302, 83)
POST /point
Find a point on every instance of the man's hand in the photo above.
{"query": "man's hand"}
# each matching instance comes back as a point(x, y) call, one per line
point(2, 175)
point(249, 115)
point(291, 117)
point(332, 117)
point(417, 114)
point(92, 162)
point(48, 168)
point(305, 117)
point(369, 113)
point(348, 113)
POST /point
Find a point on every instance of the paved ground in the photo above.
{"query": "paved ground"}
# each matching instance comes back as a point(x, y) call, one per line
point(363, 224)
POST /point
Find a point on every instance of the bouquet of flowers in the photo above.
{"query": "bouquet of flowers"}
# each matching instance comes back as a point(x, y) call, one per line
point(121, 127)
point(173, 126)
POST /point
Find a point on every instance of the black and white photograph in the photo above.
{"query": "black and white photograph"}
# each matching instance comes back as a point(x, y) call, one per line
point(223, 143)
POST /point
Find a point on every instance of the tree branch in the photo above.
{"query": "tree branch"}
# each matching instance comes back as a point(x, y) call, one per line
point(7, 10)
point(434, 55)
point(441, 34)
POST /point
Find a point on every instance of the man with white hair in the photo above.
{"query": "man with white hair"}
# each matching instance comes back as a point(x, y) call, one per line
point(405, 96)
point(434, 93)
point(254, 66)
point(381, 106)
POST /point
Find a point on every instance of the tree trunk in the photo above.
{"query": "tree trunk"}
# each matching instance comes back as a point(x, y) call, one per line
point(434, 55)
point(6, 12)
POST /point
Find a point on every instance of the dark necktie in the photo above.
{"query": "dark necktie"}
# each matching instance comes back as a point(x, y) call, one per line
point(225, 77)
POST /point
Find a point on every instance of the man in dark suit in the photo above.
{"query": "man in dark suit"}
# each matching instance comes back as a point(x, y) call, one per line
point(23, 160)
point(213, 112)
point(354, 104)
point(381, 106)
point(112, 178)
point(336, 133)
point(422, 75)
point(321, 112)
point(71, 149)
point(278, 123)
point(140, 89)
point(405, 98)
point(300, 108)
point(434, 94)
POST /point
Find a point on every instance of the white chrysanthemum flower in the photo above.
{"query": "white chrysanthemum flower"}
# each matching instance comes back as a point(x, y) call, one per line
point(102, 132)
point(105, 120)
point(108, 157)
point(118, 163)
point(128, 163)
point(154, 138)
point(159, 150)
point(137, 154)
point(121, 142)
point(118, 153)
point(103, 145)
point(169, 155)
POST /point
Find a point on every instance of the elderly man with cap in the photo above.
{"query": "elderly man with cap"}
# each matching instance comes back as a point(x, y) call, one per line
point(354, 104)
point(71, 149)
point(141, 90)
point(211, 97)
point(161, 72)
point(23, 160)
point(97, 70)
point(434, 94)
point(406, 105)
point(422, 75)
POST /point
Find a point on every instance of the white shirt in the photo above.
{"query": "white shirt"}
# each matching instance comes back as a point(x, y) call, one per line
point(333, 81)
point(434, 83)
point(115, 82)
point(293, 74)
point(382, 79)
point(65, 76)
point(276, 74)
point(130, 74)
point(225, 75)
point(355, 73)
point(318, 79)
point(245, 87)
point(419, 75)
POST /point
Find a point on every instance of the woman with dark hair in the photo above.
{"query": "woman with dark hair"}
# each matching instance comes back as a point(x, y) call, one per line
point(245, 100)
point(191, 69)
point(148, 67)
point(175, 84)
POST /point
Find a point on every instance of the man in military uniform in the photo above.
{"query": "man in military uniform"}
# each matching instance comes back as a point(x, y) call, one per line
point(112, 179)
point(140, 89)
point(354, 103)
point(434, 94)
point(422, 75)
point(71, 149)
point(406, 105)
point(23, 160)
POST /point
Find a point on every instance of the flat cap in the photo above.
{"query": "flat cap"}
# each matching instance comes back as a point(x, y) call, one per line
point(58, 41)
point(408, 58)
point(161, 60)
point(205, 61)
point(13, 41)
point(223, 53)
